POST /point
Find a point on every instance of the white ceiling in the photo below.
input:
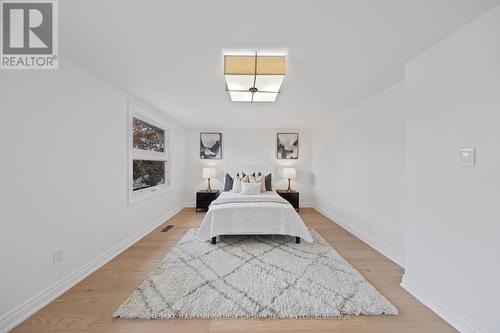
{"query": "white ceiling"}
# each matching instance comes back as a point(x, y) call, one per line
point(169, 53)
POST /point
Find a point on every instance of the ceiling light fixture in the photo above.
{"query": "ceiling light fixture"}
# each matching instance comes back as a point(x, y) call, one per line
point(255, 78)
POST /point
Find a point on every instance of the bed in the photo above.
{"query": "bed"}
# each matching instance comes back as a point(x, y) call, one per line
point(262, 214)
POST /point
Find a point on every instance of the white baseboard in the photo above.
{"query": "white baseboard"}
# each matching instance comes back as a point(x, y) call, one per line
point(18, 315)
point(386, 250)
point(440, 308)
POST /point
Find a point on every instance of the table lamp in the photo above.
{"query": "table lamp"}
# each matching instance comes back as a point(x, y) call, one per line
point(207, 174)
point(289, 173)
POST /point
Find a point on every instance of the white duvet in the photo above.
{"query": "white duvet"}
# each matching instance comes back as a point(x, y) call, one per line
point(266, 213)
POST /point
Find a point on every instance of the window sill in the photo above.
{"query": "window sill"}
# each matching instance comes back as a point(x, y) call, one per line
point(138, 196)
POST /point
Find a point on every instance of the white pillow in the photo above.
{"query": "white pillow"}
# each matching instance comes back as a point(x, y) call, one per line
point(250, 188)
point(262, 181)
point(251, 179)
point(245, 179)
point(237, 185)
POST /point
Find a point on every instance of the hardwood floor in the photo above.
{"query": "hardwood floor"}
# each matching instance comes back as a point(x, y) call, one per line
point(88, 306)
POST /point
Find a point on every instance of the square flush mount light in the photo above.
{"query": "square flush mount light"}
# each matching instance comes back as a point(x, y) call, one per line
point(254, 78)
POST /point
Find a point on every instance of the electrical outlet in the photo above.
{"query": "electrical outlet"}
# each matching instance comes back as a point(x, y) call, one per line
point(58, 256)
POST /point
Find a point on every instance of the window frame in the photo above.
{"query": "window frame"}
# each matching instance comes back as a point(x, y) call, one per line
point(136, 110)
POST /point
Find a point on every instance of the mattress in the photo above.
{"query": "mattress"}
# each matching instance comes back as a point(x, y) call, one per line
point(262, 214)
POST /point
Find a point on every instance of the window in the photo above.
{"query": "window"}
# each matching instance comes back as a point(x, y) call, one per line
point(149, 154)
point(148, 174)
point(147, 136)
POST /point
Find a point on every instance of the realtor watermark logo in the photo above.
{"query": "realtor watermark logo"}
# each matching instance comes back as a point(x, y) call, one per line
point(29, 38)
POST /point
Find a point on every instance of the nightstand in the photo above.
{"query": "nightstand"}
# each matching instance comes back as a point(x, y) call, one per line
point(291, 197)
point(204, 199)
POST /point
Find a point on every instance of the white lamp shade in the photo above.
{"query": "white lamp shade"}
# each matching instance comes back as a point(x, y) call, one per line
point(208, 173)
point(289, 173)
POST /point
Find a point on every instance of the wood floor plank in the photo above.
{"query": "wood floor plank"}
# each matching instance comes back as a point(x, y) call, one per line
point(88, 306)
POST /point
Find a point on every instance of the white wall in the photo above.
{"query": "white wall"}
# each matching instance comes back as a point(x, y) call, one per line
point(358, 166)
point(249, 147)
point(453, 220)
point(64, 180)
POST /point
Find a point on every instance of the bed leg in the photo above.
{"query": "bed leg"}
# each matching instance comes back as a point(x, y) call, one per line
point(297, 240)
point(214, 240)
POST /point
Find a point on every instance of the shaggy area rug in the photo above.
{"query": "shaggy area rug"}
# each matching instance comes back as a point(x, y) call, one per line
point(254, 277)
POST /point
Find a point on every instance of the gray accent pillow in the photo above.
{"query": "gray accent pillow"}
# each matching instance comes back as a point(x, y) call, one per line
point(268, 182)
point(228, 183)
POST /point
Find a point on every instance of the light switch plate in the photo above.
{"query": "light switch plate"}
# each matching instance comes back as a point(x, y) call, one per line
point(467, 157)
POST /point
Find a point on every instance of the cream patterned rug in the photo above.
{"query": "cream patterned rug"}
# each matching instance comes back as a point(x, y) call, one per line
point(254, 277)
